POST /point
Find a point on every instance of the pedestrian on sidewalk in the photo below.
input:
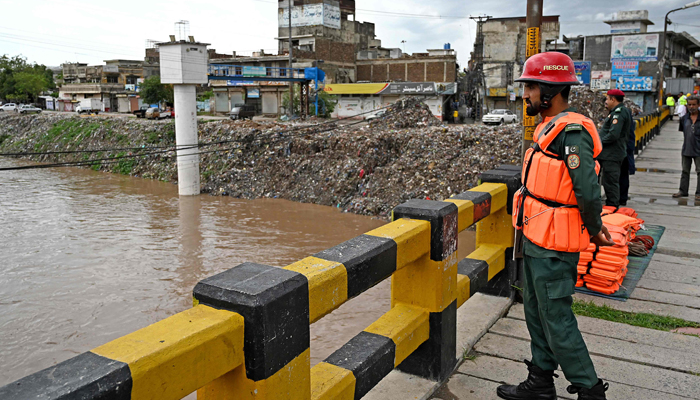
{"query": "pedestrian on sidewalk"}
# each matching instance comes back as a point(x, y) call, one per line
point(557, 214)
point(690, 126)
point(681, 110)
point(671, 103)
point(613, 134)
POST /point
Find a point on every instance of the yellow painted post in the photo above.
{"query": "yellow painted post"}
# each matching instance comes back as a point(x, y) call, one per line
point(430, 283)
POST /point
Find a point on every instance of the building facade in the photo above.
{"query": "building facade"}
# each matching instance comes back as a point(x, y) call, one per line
point(628, 58)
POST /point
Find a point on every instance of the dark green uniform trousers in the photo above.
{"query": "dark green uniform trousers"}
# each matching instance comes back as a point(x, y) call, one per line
point(610, 179)
point(555, 337)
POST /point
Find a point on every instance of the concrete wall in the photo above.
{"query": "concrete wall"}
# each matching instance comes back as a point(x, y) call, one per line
point(409, 69)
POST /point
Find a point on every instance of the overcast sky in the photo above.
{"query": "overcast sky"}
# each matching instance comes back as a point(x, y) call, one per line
point(57, 31)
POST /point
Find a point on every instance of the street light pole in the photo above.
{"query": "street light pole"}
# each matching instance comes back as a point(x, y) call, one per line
point(662, 62)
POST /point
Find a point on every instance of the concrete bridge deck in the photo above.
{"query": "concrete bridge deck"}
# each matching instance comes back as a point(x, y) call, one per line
point(639, 363)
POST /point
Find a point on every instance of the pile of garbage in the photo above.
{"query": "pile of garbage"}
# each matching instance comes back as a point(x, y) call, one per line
point(409, 112)
point(592, 103)
point(365, 169)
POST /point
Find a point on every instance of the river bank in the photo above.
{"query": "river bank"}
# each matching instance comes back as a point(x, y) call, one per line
point(366, 168)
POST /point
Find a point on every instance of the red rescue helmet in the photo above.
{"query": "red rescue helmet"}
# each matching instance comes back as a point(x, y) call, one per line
point(551, 67)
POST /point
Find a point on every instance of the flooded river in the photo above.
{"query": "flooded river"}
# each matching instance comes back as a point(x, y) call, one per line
point(87, 257)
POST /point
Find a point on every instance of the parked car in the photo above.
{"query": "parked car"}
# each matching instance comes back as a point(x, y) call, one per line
point(141, 112)
point(9, 107)
point(242, 111)
point(153, 113)
point(166, 114)
point(28, 109)
point(500, 117)
point(375, 115)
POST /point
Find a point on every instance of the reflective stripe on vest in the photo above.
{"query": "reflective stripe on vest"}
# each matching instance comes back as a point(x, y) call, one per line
point(546, 204)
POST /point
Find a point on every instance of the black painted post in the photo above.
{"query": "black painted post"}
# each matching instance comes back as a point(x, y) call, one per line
point(274, 303)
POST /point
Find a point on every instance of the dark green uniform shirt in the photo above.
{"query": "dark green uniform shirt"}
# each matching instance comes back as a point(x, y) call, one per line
point(614, 134)
point(575, 139)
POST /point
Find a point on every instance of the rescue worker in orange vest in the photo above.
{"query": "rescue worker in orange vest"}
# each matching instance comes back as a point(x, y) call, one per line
point(557, 214)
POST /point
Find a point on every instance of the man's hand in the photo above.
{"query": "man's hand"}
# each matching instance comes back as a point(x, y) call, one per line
point(603, 238)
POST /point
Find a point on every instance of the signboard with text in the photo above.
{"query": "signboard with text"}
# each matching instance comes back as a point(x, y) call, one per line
point(310, 15)
point(254, 71)
point(410, 88)
point(600, 80)
point(634, 83)
point(635, 47)
point(625, 68)
point(583, 72)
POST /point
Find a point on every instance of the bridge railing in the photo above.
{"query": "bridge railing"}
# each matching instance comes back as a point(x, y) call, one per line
point(647, 126)
point(247, 336)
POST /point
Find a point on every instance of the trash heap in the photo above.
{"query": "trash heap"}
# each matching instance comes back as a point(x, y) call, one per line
point(592, 103)
point(409, 112)
point(602, 269)
point(365, 168)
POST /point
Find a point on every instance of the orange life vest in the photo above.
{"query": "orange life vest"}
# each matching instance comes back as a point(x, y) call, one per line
point(546, 209)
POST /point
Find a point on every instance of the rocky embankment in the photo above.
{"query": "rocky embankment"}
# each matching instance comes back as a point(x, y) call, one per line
point(361, 168)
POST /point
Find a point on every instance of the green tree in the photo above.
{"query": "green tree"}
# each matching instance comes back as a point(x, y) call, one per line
point(21, 81)
point(30, 84)
point(152, 91)
point(326, 104)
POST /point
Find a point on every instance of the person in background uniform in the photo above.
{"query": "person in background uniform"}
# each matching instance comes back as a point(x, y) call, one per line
point(613, 134)
point(628, 166)
point(690, 126)
point(682, 99)
point(671, 103)
point(560, 194)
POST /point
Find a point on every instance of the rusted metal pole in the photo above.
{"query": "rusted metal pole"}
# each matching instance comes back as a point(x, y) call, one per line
point(534, 23)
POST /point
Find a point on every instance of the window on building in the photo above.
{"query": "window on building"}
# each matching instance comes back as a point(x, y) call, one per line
point(239, 70)
point(268, 71)
point(131, 79)
point(112, 78)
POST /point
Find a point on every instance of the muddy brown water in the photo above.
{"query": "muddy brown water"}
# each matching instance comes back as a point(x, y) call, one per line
point(87, 257)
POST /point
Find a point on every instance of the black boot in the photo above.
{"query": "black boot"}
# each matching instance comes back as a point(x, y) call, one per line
point(539, 385)
point(597, 392)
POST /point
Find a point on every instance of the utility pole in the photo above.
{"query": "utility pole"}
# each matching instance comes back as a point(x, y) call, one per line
point(479, 65)
point(290, 111)
point(534, 23)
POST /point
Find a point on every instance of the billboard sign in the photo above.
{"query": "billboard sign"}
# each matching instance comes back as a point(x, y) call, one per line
point(310, 15)
point(600, 80)
point(254, 71)
point(410, 88)
point(625, 68)
point(635, 47)
point(583, 72)
point(634, 83)
point(253, 93)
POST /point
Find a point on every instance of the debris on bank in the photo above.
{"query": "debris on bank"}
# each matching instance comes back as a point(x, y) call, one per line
point(592, 104)
point(366, 168)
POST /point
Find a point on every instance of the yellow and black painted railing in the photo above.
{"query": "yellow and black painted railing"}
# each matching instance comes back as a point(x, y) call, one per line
point(247, 336)
point(647, 126)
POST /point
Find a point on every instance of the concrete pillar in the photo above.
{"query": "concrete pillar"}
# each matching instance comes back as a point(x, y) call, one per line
point(186, 136)
point(184, 65)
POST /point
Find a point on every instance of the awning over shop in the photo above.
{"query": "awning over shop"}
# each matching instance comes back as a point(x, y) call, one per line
point(355, 88)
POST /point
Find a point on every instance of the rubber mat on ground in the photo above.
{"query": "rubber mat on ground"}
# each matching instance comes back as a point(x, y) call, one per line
point(635, 269)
